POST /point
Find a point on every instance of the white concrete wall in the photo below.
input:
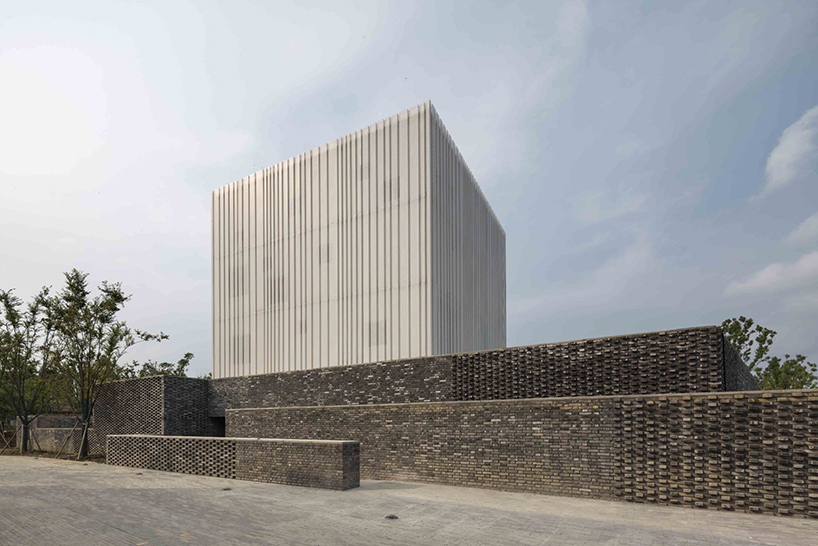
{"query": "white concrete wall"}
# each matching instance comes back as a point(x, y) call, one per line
point(326, 259)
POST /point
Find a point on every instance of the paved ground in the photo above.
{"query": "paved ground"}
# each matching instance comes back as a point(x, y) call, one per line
point(43, 501)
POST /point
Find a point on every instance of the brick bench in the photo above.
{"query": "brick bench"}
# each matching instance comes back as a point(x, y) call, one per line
point(327, 464)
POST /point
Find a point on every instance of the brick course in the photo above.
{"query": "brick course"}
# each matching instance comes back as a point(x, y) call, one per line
point(752, 451)
point(324, 464)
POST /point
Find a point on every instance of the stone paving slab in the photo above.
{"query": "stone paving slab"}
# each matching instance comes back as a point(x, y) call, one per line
point(48, 502)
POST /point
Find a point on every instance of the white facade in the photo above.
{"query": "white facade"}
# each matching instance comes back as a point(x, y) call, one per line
point(377, 246)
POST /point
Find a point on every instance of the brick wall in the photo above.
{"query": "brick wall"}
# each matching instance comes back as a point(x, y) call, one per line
point(324, 464)
point(737, 377)
point(753, 451)
point(674, 361)
point(153, 405)
point(131, 406)
point(413, 380)
point(185, 407)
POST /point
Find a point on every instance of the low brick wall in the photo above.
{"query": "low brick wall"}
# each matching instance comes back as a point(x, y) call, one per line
point(747, 451)
point(326, 464)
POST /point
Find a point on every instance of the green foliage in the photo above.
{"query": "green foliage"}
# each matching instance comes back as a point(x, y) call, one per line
point(753, 343)
point(151, 367)
point(26, 359)
point(751, 340)
point(64, 347)
point(89, 339)
point(789, 373)
point(6, 410)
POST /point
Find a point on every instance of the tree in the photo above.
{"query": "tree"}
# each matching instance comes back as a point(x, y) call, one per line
point(789, 373)
point(754, 342)
point(90, 340)
point(751, 340)
point(26, 359)
point(152, 367)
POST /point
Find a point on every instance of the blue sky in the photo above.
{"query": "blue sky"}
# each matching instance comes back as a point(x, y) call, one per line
point(654, 164)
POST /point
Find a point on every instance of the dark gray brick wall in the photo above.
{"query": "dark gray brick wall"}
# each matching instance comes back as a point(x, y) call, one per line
point(131, 406)
point(414, 380)
point(674, 361)
point(154, 405)
point(737, 377)
point(324, 464)
point(753, 451)
point(688, 360)
point(185, 403)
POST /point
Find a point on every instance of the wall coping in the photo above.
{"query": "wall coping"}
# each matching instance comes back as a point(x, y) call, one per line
point(229, 439)
point(566, 399)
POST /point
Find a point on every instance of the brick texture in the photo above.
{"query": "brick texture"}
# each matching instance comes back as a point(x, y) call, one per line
point(153, 405)
point(737, 377)
point(674, 361)
point(324, 464)
point(131, 406)
point(753, 451)
point(413, 380)
point(185, 400)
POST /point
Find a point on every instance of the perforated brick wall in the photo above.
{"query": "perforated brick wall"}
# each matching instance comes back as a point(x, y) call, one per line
point(755, 452)
point(153, 405)
point(323, 464)
point(131, 406)
point(674, 361)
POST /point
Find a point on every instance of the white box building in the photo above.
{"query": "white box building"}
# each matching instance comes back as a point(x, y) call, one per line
point(376, 246)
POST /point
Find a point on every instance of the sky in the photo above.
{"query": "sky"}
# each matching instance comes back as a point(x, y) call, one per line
point(654, 164)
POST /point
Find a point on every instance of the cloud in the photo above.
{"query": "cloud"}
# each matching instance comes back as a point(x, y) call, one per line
point(633, 278)
point(793, 157)
point(779, 277)
point(597, 207)
point(805, 233)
